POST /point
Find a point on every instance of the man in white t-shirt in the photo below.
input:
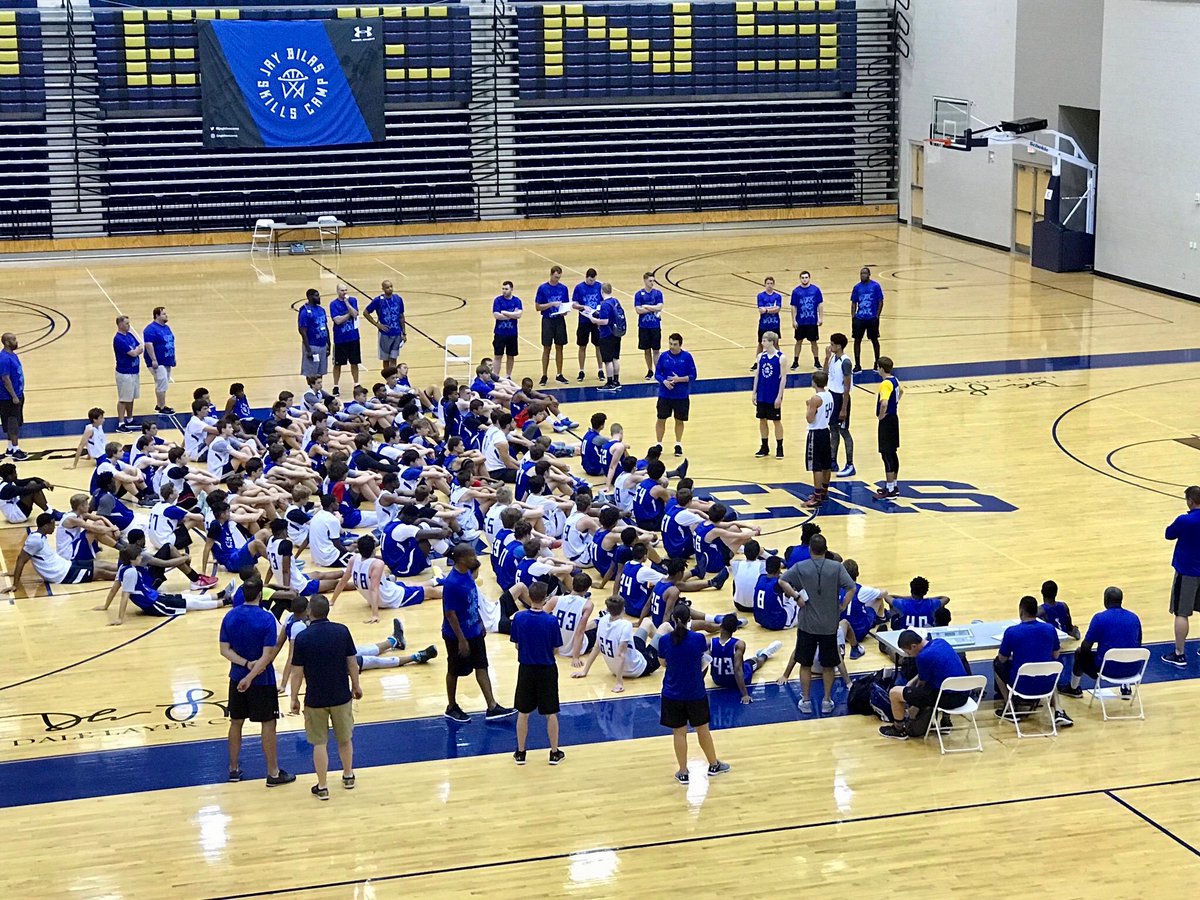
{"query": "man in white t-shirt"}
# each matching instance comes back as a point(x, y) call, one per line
point(325, 534)
point(624, 648)
point(39, 549)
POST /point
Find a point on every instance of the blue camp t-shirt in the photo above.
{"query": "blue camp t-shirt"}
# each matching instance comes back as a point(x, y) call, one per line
point(347, 332)
point(506, 327)
point(315, 323)
point(869, 297)
point(250, 631)
point(162, 339)
point(389, 311)
point(607, 311)
point(769, 321)
point(806, 300)
point(1029, 642)
point(10, 365)
point(122, 344)
point(551, 293)
point(644, 297)
point(461, 596)
point(587, 295)
point(669, 364)
point(537, 636)
point(684, 678)
point(936, 662)
point(1114, 629)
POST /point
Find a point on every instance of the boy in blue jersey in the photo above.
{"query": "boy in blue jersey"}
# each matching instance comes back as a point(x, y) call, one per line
point(389, 307)
point(862, 613)
point(674, 371)
point(936, 661)
point(160, 357)
point(1113, 628)
point(729, 666)
point(774, 601)
point(917, 610)
point(506, 310)
point(586, 299)
point(1056, 612)
point(866, 306)
point(1029, 641)
point(769, 303)
point(808, 315)
point(648, 304)
point(347, 348)
point(538, 637)
point(769, 383)
point(553, 303)
point(313, 325)
point(609, 319)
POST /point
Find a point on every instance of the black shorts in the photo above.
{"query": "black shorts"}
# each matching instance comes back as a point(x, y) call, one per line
point(924, 696)
point(476, 657)
point(508, 476)
point(10, 411)
point(504, 345)
point(834, 419)
point(587, 332)
point(808, 332)
point(681, 713)
point(649, 338)
point(674, 407)
point(259, 703)
point(1185, 595)
point(537, 688)
point(767, 411)
point(347, 353)
point(867, 327)
point(80, 572)
point(810, 647)
point(554, 331)
point(610, 348)
point(762, 331)
point(889, 434)
point(818, 455)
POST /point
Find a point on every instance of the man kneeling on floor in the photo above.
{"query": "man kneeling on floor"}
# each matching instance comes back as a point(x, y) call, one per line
point(912, 703)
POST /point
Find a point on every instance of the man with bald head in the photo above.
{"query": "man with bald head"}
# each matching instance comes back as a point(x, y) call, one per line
point(12, 396)
point(389, 308)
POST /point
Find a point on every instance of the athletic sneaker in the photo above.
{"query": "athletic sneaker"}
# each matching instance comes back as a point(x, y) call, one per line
point(1062, 720)
point(814, 501)
point(679, 449)
point(18, 454)
point(609, 388)
point(682, 778)
point(1126, 692)
point(1175, 659)
point(817, 364)
point(519, 757)
point(718, 581)
point(754, 368)
point(848, 471)
point(398, 634)
point(1067, 691)
point(895, 732)
point(166, 410)
point(283, 777)
point(884, 494)
point(795, 364)
point(560, 427)
point(857, 367)
point(542, 381)
point(424, 656)
point(499, 712)
point(857, 652)
point(581, 375)
point(762, 451)
point(805, 706)
point(556, 756)
point(718, 768)
point(649, 375)
point(321, 793)
point(235, 774)
point(826, 707)
point(561, 379)
point(779, 453)
point(455, 714)
point(600, 374)
point(203, 582)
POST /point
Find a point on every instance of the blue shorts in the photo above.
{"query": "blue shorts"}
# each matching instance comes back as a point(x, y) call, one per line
point(731, 682)
point(243, 559)
point(413, 595)
point(310, 588)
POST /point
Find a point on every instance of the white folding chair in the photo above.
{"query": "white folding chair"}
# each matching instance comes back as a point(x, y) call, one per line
point(459, 353)
point(1030, 671)
point(971, 685)
point(1115, 657)
point(329, 226)
point(264, 233)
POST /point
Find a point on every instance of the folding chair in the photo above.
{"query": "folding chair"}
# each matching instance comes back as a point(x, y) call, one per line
point(971, 685)
point(263, 235)
point(329, 226)
point(459, 353)
point(1115, 657)
point(1051, 672)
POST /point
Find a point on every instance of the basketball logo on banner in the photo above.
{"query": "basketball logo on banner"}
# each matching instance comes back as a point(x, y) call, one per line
point(292, 83)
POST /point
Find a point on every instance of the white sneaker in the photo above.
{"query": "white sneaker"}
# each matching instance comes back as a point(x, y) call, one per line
point(772, 648)
point(826, 707)
point(805, 706)
point(847, 472)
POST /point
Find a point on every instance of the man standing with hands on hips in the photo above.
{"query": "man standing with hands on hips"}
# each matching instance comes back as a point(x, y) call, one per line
point(389, 307)
point(12, 395)
point(1185, 589)
point(675, 371)
point(160, 357)
point(127, 348)
point(313, 325)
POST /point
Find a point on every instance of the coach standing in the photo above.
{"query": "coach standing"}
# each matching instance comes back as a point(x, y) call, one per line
point(127, 348)
point(553, 303)
point(389, 307)
point(866, 306)
point(313, 325)
point(324, 653)
point(820, 578)
point(347, 348)
point(12, 396)
point(1185, 590)
point(160, 357)
point(675, 371)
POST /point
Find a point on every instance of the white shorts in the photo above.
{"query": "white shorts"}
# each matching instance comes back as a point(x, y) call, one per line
point(129, 387)
point(162, 378)
point(13, 513)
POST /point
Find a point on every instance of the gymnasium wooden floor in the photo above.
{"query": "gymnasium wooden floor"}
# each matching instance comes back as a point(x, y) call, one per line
point(1049, 429)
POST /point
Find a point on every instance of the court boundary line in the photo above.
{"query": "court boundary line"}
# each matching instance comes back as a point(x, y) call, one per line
point(1149, 821)
point(733, 835)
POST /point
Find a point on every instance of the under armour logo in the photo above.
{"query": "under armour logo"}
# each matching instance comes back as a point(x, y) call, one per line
point(365, 32)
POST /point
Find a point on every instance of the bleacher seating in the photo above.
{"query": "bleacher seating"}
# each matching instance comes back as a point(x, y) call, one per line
point(146, 57)
point(586, 51)
point(22, 62)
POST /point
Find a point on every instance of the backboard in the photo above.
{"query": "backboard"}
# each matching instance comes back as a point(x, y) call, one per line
point(950, 119)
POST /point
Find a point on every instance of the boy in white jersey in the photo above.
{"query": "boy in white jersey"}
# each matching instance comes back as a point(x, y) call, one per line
point(370, 577)
point(198, 432)
point(579, 532)
point(819, 412)
point(574, 614)
point(286, 570)
point(93, 440)
point(554, 509)
point(80, 530)
point(840, 369)
point(169, 522)
point(745, 576)
point(625, 650)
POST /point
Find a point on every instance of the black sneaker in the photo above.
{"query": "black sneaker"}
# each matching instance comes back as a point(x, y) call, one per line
point(1175, 659)
point(321, 793)
point(649, 374)
point(796, 364)
point(762, 451)
point(561, 379)
point(682, 778)
point(857, 368)
point(718, 768)
point(600, 374)
point(398, 634)
point(679, 449)
point(556, 756)
point(1126, 692)
point(754, 368)
point(519, 757)
point(455, 714)
point(581, 377)
point(542, 381)
point(779, 453)
point(166, 411)
point(235, 774)
point(283, 777)
point(424, 656)
point(336, 391)
point(1062, 720)
point(18, 454)
point(817, 363)
point(895, 732)
point(1067, 691)
point(498, 712)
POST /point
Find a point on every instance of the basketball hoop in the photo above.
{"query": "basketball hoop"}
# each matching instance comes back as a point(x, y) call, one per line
point(941, 141)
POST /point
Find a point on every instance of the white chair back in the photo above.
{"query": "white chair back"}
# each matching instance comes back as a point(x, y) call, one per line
point(1051, 672)
point(459, 352)
point(327, 220)
point(1123, 656)
point(971, 685)
point(1030, 671)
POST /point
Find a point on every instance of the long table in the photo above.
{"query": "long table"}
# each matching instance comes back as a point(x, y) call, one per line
point(963, 638)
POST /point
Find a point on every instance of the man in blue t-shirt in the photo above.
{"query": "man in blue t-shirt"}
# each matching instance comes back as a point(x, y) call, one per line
point(12, 395)
point(248, 641)
point(1029, 641)
point(1113, 628)
point(463, 632)
point(160, 357)
point(808, 315)
point(608, 345)
point(313, 325)
point(1185, 589)
point(389, 308)
point(553, 303)
point(506, 310)
point(918, 609)
point(936, 661)
point(586, 298)
point(866, 306)
point(769, 303)
point(538, 637)
point(674, 371)
point(347, 348)
point(127, 350)
point(648, 304)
